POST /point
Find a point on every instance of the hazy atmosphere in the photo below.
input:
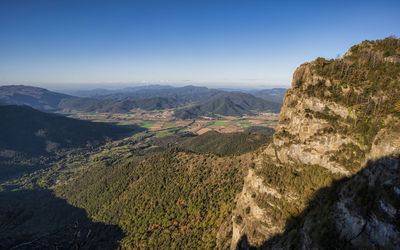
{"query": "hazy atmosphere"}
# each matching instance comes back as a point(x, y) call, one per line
point(202, 124)
point(214, 43)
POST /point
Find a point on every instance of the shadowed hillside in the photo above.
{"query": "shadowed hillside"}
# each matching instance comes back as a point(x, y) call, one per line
point(30, 131)
point(29, 138)
point(38, 98)
point(36, 219)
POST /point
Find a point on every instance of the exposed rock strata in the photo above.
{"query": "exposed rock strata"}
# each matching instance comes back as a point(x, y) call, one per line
point(316, 132)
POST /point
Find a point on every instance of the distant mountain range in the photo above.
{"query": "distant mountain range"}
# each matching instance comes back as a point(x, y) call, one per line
point(99, 92)
point(229, 103)
point(202, 101)
point(147, 91)
point(86, 104)
point(273, 95)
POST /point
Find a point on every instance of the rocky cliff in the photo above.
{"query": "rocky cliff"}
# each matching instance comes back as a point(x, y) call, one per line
point(331, 176)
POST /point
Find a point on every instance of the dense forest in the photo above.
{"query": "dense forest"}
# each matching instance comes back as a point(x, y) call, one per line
point(169, 199)
point(136, 192)
point(227, 144)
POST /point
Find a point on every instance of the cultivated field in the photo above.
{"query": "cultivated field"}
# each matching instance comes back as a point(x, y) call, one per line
point(162, 122)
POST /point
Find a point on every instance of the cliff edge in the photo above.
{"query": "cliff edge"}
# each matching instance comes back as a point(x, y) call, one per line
point(331, 174)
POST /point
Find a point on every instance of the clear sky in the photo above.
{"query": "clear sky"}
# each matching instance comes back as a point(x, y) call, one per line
point(220, 43)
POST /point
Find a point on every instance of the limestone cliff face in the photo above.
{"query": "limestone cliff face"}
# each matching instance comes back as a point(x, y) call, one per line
point(335, 150)
point(303, 137)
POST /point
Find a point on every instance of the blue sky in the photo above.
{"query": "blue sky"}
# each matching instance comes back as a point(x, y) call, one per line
point(220, 43)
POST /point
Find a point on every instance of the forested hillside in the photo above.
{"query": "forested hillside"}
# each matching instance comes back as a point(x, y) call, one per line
point(26, 130)
point(226, 144)
point(171, 199)
point(229, 104)
point(38, 98)
point(135, 192)
point(27, 135)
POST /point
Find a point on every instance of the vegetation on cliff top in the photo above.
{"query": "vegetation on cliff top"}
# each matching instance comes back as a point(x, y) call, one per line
point(366, 80)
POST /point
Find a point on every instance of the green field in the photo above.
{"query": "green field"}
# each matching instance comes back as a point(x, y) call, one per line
point(221, 123)
point(147, 124)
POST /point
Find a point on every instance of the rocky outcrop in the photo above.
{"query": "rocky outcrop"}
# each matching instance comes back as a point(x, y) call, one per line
point(248, 216)
point(374, 221)
point(330, 129)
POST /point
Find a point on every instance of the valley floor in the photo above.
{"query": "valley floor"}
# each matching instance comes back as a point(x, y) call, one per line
point(163, 122)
